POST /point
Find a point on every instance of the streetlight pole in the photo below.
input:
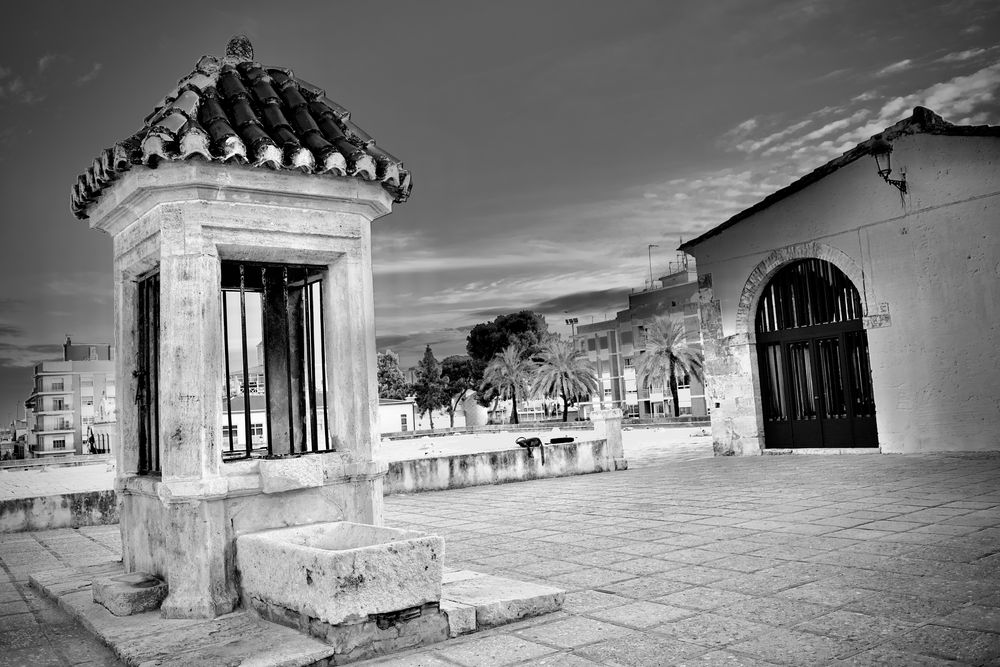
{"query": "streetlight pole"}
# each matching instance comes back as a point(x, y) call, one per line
point(572, 323)
point(650, 253)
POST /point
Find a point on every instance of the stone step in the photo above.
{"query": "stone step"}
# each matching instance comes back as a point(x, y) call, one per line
point(475, 601)
point(472, 601)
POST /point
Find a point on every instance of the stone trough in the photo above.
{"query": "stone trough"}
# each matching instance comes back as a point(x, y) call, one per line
point(339, 572)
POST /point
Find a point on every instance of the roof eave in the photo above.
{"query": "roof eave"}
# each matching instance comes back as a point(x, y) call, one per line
point(922, 121)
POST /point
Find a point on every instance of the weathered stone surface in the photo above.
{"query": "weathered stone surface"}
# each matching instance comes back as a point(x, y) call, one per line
point(461, 617)
point(288, 474)
point(127, 594)
point(498, 600)
point(340, 572)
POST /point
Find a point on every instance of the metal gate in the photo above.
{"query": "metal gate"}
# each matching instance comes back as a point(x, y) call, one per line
point(813, 357)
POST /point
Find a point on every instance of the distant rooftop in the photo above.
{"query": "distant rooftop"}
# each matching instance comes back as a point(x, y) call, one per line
point(233, 109)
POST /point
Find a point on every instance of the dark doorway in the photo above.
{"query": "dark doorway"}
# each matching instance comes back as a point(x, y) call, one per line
point(815, 376)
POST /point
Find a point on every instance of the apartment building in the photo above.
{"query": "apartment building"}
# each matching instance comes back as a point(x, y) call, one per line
point(61, 409)
point(614, 346)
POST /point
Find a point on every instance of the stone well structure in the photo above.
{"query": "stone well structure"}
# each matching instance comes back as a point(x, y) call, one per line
point(239, 165)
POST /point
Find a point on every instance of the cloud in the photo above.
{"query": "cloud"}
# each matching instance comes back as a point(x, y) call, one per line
point(964, 99)
point(27, 355)
point(741, 130)
point(961, 56)
point(46, 61)
point(895, 68)
point(750, 146)
point(16, 90)
point(90, 75)
point(606, 299)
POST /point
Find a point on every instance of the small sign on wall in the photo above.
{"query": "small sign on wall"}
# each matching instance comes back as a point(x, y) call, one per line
point(879, 320)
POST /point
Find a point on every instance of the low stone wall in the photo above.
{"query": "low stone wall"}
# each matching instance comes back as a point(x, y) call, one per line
point(94, 508)
point(68, 510)
point(499, 467)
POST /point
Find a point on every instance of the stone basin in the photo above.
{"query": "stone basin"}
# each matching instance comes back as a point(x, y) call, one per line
point(340, 572)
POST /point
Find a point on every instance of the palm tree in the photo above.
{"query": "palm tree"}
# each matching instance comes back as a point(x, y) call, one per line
point(509, 374)
point(564, 371)
point(669, 355)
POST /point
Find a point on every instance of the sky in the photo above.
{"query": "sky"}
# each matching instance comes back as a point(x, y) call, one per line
point(550, 141)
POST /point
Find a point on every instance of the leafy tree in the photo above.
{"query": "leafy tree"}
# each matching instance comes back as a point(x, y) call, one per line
point(509, 375)
point(669, 356)
point(460, 375)
point(391, 383)
point(525, 329)
point(430, 387)
point(564, 372)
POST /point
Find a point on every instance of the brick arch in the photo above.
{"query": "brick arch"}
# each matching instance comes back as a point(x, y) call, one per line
point(762, 273)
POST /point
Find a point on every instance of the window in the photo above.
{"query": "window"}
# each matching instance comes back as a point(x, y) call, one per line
point(58, 386)
point(684, 382)
point(58, 404)
point(628, 362)
point(604, 342)
point(273, 314)
point(591, 345)
point(147, 372)
point(402, 422)
point(59, 444)
point(607, 393)
point(257, 432)
point(231, 433)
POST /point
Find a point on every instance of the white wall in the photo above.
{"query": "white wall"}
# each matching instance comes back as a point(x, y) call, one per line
point(931, 264)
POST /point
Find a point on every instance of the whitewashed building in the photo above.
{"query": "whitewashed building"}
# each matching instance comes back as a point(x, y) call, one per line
point(858, 306)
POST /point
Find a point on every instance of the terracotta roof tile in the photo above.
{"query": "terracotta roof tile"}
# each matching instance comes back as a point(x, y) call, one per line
point(234, 108)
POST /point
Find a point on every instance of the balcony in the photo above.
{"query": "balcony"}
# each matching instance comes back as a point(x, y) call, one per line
point(58, 427)
point(55, 410)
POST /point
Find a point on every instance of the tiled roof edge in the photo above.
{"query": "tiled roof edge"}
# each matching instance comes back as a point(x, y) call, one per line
point(235, 109)
point(923, 121)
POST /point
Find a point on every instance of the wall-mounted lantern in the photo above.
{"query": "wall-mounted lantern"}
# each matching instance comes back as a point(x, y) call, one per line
point(881, 150)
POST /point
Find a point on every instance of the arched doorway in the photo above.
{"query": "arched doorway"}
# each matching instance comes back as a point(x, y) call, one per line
point(815, 376)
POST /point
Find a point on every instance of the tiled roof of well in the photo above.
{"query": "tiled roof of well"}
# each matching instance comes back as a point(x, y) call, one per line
point(233, 109)
point(923, 121)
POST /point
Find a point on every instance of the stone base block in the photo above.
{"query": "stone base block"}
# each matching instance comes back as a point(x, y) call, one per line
point(621, 464)
point(381, 634)
point(461, 617)
point(498, 600)
point(127, 594)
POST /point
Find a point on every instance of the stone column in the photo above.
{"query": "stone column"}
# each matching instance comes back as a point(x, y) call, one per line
point(190, 364)
point(349, 317)
point(737, 426)
point(190, 349)
point(608, 426)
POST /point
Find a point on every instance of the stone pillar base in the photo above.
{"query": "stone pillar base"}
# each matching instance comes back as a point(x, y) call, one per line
point(199, 606)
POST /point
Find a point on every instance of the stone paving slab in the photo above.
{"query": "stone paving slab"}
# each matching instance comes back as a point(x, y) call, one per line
point(931, 597)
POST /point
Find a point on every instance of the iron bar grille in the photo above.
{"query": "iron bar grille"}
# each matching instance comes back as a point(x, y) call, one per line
point(275, 360)
point(147, 373)
point(807, 293)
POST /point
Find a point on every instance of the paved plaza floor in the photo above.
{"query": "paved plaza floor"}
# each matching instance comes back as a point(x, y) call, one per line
point(680, 560)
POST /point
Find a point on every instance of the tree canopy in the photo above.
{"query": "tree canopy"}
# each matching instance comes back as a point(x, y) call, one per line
point(430, 388)
point(524, 330)
point(565, 372)
point(668, 356)
point(460, 375)
point(391, 383)
point(509, 375)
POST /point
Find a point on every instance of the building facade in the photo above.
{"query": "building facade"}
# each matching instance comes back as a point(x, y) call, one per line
point(63, 405)
point(615, 345)
point(858, 306)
